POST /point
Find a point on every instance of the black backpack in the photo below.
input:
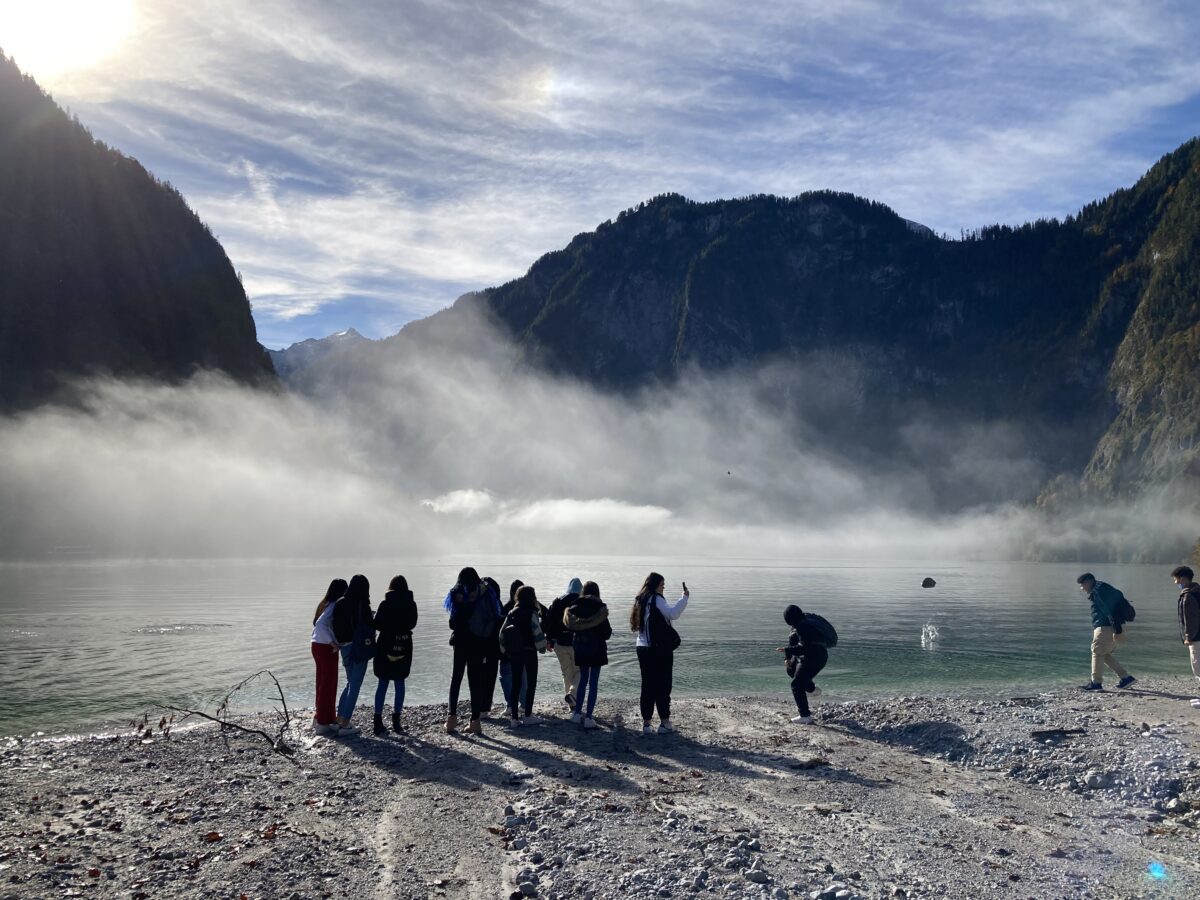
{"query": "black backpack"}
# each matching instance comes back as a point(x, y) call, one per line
point(1125, 611)
point(482, 618)
point(662, 633)
point(828, 633)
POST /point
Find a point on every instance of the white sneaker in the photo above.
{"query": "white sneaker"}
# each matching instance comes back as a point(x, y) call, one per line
point(348, 730)
point(514, 722)
point(646, 729)
point(802, 720)
point(589, 723)
point(576, 718)
point(665, 727)
point(815, 692)
point(1196, 703)
point(532, 720)
point(325, 730)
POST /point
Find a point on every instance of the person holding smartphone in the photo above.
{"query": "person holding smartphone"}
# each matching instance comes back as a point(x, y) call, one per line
point(657, 640)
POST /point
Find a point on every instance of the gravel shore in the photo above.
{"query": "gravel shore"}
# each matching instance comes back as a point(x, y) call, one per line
point(1061, 794)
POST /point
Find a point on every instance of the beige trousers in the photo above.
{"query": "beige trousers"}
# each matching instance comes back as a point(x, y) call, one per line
point(570, 672)
point(1194, 652)
point(1104, 643)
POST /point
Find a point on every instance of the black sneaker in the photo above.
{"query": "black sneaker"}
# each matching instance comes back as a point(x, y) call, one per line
point(1125, 682)
point(1092, 686)
point(569, 699)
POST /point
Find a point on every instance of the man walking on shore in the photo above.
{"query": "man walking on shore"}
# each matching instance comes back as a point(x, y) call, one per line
point(1108, 605)
point(1189, 618)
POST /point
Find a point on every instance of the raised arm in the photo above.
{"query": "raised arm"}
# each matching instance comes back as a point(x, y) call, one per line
point(673, 610)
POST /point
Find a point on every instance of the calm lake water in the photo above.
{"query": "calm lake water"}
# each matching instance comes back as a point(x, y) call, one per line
point(89, 644)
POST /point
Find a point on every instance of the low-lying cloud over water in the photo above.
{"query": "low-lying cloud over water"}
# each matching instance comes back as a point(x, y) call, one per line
point(438, 449)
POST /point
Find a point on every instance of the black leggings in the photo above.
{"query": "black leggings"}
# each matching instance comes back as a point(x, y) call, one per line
point(815, 657)
point(456, 675)
point(656, 665)
point(477, 660)
point(524, 669)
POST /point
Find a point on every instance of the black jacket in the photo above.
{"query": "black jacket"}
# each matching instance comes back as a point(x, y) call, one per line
point(552, 621)
point(527, 633)
point(805, 638)
point(1189, 613)
point(395, 620)
point(587, 620)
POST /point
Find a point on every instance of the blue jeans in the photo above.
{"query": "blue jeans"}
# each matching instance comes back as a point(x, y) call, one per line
point(506, 680)
point(355, 673)
point(381, 695)
point(589, 680)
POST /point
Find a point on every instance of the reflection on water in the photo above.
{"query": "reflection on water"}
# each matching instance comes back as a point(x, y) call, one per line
point(88, 643)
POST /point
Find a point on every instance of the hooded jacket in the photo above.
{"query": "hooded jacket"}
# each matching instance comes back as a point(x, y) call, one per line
point(587, 620)
point(552, 620)
point(395, 620)
point(1189, 613)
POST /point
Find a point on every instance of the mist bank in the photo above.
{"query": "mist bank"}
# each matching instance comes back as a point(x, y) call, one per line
point(453, 448)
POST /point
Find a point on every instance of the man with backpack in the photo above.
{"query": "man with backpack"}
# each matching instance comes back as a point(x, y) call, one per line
point(1110, 612)
point(805, 655)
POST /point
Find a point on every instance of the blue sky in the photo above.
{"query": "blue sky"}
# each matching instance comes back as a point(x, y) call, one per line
point(364, 163)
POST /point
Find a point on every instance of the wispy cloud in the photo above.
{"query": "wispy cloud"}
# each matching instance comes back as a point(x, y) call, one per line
point(364, 163)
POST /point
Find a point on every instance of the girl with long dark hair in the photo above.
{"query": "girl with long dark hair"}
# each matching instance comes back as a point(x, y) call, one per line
point(587, 620)
point(325, 655)
point(473, 605)
point(394, 620)
point(354, 625)
point(522, 639)
point(651, 618)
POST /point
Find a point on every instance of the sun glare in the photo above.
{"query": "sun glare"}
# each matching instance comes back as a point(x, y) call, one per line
point(50, 37)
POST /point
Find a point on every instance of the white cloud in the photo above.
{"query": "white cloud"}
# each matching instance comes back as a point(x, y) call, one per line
point(463, 502)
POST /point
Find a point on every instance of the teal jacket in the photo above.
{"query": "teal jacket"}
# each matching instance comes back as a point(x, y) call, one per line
point(1106, 600)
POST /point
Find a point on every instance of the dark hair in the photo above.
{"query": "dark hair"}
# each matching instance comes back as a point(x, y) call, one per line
point(650, 588)
point(336, 590)
point(398, 583)
point(1183, 572)
point(1085, 578)
point(793, 615)
point(590, 589)
point(514, 587)
point(359, 589)
point(468, 578)
point(526, 596)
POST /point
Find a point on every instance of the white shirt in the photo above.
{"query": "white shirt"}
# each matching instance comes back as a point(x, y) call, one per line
point(671, 610)
point(323, 627)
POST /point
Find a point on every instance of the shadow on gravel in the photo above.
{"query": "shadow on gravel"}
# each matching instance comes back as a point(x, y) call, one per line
point(1149, 693)
point(923, 737)
point(416, 758)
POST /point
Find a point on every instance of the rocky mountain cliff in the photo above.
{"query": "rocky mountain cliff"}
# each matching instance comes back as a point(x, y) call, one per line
point(103, 268)
point(303, 354)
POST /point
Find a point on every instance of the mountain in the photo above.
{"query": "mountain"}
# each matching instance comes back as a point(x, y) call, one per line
point(103, 268)
point(303, 354)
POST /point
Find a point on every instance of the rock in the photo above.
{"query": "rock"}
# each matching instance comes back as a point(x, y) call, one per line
point(928, 583)
point(758, 876)
point(527, 889)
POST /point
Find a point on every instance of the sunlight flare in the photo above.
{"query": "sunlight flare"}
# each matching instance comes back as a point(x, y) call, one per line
point(50, 37)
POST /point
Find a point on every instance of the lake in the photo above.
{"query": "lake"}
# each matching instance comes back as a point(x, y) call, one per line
point(90, 644)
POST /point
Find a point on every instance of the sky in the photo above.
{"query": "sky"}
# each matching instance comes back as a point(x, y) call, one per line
point(365, 163)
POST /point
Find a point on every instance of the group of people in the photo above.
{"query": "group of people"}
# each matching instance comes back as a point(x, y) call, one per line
point(493, 640)
point(1111, 612)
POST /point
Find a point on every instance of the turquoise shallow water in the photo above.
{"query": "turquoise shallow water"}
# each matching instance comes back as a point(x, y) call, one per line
point(89, 644)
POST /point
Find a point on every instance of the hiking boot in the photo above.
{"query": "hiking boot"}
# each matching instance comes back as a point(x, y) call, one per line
point(396, 722)
point(1092, 686)
point(475, 727)
point(665, 727)
point(451, 724)
point(576, 718)
point(590, 723)
point(1125, 682)
point(802, 720)
point(377, 726)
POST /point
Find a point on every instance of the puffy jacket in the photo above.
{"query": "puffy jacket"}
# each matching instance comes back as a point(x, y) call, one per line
point(587, 620)
point(1189, 613)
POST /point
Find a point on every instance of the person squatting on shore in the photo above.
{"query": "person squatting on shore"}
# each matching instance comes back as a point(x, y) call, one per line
point(587, 620)
point(473, 605)
point(394, 620)
point(657, 639)
point(1189, 619)
point(325, 654)
point(354, 626)
point(804, 656)
point(522, 640)
point(1110, 612)
point(561, 639)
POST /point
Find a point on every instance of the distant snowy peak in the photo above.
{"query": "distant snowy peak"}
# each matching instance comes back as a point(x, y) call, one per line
point(303, 354)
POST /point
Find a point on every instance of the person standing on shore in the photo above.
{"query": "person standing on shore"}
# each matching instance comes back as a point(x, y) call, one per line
point(1189, 619)
point(587, 620)
point(474, 608)
point(522, 639)
point(561, 640)
point(505, 665)
point(805, 655)
point(657, 639)
point(354, 625)
point(394, 620)
point(325, 654)
point(1110, 611)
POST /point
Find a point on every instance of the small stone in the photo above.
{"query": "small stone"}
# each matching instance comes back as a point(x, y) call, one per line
point(758, 876)
point(528, 889)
